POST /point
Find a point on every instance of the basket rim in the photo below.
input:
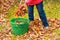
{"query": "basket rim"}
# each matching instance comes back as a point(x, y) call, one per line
point(19, 18)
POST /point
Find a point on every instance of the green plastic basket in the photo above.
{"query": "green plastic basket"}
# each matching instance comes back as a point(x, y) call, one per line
point(19, 29)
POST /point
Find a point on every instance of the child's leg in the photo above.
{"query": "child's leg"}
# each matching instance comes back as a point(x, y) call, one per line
point(42, 14)
point(30, 12)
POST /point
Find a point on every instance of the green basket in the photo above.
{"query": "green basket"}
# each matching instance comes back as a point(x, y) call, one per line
point(19, 29)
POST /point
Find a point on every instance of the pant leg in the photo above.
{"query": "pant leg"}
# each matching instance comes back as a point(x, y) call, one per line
point(42, 14)
point(30, 12)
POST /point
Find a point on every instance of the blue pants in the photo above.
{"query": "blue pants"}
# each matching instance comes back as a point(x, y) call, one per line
point(40, 11)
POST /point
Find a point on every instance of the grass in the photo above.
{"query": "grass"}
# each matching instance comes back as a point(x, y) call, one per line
point(57, 31)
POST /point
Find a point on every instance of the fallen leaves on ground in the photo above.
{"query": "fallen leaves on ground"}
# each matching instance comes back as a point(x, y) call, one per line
point(36, 30)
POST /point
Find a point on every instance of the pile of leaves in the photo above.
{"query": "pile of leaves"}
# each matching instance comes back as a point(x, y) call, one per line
point(36, 30)
point(21, 10)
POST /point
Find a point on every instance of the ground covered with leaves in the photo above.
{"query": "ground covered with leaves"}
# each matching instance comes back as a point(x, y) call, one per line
point(36, 30)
